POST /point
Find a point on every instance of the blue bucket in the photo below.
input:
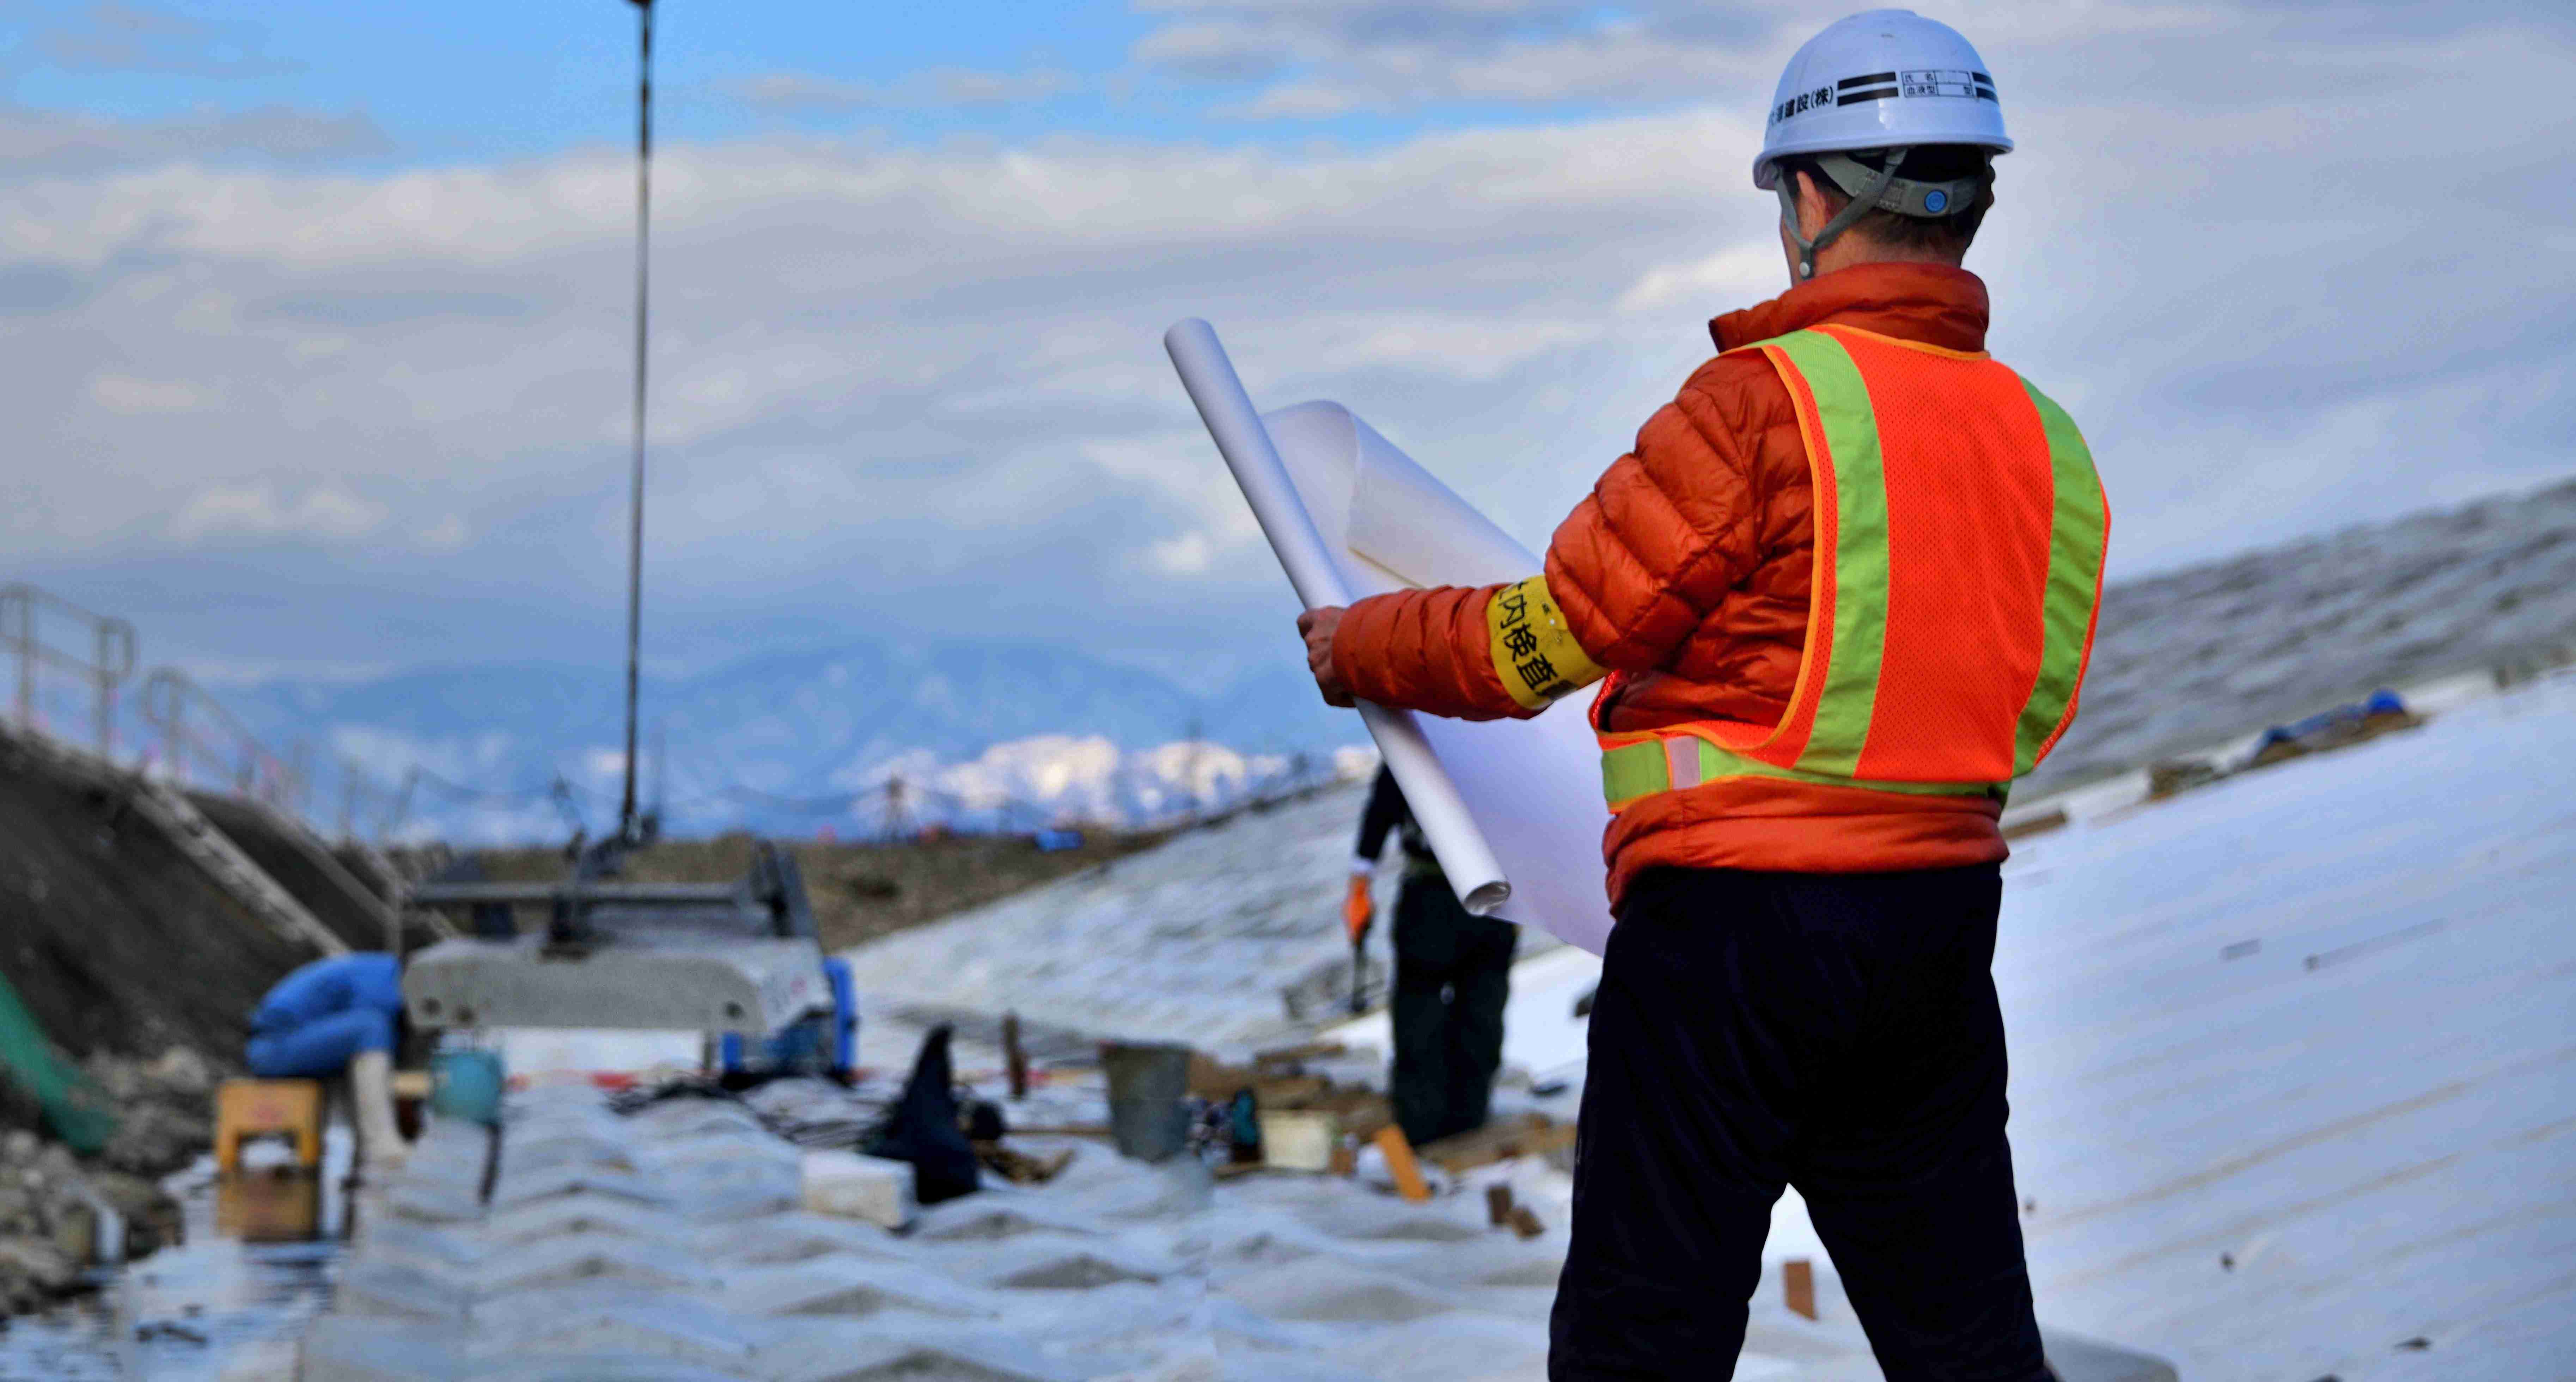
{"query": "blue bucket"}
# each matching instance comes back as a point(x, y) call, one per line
point(466, 1085)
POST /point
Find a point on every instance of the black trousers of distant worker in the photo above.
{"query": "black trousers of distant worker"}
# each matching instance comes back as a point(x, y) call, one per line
point(1836, 1032)
point(1453, 971)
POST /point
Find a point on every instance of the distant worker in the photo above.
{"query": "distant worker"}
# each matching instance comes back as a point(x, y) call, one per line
point(1842, 593)
point(344, 1013)
point(1453, 972)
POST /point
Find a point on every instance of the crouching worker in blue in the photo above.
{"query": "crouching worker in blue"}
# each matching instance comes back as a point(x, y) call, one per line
point(332, 1015)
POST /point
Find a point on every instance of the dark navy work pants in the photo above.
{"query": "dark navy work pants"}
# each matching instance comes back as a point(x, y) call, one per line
point(1836, 1032)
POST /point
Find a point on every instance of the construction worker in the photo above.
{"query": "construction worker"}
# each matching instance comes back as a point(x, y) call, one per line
point(1838, 597)
point(343, 1013)
point(1453, 973)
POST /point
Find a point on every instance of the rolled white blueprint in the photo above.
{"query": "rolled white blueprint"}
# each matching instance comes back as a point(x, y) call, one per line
point(1533, 787)
point(1446, 823)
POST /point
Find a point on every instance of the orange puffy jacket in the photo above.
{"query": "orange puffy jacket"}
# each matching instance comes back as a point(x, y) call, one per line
point(1687, 574)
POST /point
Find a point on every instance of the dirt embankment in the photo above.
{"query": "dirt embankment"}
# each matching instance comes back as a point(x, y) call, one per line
point(283, 859)
point(862, 891)
point(142, 971)
point(114, 939)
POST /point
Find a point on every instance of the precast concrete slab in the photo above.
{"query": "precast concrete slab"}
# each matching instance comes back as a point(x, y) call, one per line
point(576, 1257)
point(847, 1285)
point(348, 1348)
point(794, 1237)
point(372, 1285)
point(515, 1188)
point(636, 982)
point(585, 1213)
point(979, 1219)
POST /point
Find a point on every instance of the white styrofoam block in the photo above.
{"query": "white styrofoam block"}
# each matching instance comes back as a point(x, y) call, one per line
point(849, 1186)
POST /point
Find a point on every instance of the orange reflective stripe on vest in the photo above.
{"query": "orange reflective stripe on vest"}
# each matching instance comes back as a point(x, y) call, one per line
point(1960, 530)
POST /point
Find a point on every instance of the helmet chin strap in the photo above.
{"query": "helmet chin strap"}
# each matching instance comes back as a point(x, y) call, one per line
point(1863, 201)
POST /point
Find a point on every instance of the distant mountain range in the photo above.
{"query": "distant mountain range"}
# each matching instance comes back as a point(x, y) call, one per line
point(1017, 735)
point(979, 735)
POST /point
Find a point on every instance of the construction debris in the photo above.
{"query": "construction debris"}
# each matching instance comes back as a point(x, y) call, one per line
point(1798, 1285)
point(1528, 1134)
point(1401, 1165)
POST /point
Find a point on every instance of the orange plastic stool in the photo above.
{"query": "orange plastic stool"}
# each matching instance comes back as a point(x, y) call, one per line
point(255, 1108)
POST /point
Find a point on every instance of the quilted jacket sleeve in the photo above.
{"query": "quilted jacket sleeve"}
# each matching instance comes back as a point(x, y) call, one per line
point(1663, 536)
point(1640, 562)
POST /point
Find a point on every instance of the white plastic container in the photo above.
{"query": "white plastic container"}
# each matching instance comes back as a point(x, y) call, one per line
point(846, 1185)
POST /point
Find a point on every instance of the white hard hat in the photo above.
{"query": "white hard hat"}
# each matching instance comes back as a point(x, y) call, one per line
point(1883, 79)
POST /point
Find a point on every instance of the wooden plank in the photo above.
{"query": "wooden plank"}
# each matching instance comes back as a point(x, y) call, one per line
point(1798, 1282)
point(1401, 1165)
point(1293, 1055)
point(1530, 1134)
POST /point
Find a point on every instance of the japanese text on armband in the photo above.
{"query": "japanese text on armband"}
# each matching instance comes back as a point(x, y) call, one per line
point(1534, 653)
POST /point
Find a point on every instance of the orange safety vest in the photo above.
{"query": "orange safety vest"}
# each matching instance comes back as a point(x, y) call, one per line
point(1960, 530)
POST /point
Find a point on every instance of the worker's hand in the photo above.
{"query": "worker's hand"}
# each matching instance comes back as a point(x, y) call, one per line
point(1319, 625)
point(1358, 908)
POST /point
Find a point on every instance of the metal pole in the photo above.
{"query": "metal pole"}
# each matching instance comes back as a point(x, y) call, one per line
point(643, 281)
point(26, 659)
point(115, 663)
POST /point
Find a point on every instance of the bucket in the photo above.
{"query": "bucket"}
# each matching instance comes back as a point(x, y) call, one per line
point(466, 1085)
point(1149, 1083)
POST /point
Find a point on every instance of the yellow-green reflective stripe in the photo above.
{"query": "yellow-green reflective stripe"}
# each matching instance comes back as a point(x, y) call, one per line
point(1634, 770)
point(1850, 427)
point(2078, 529)
point(1641, 769)
point(1716, 763)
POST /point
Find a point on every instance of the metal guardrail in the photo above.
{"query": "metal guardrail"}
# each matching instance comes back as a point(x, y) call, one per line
point(185, 714)
point(23, 611)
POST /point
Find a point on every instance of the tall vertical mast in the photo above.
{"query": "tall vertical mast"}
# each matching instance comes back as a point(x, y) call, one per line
point(626, 822)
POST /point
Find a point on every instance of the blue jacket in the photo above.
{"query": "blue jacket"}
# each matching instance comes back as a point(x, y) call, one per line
point(320, 988)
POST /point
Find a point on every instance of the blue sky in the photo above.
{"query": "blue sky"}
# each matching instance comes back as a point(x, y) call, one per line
point(318, 313)
point(484, 80)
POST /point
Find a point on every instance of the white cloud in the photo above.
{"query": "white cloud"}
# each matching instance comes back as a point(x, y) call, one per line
point(325, 511)
point(1186, 555)
point(123, 393)
point(1737, 274)
point(926, 382)
point(448, 534)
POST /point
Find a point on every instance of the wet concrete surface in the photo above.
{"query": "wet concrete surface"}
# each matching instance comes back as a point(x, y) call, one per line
point(226, 1305)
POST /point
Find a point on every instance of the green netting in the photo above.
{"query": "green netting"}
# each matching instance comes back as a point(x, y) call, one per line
point(76, 1109)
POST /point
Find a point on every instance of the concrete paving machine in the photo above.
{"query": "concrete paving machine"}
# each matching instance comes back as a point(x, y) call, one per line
point(738, 960)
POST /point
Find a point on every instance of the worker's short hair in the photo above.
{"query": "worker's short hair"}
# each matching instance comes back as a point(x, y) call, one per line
point(1926, 163)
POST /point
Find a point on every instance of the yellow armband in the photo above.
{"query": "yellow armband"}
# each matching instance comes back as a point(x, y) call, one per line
point(1534, 653)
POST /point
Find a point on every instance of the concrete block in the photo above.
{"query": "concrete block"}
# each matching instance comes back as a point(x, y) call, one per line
point(513, 1189)
point(568, 1148)
point(689, 1117)
point(359, 1348)
point(873, 1351)
point(728, 1202)
point(430, 1201)
point(568, 1258)
point(658, 1326)
point(797, 1236)
point(401, 1289)
point(975, 1220)
point(1079, 1270)
point(445, 1250)
point(585, 1213)
point(715, 1148)
point(848, 1286)
point(849, 1186)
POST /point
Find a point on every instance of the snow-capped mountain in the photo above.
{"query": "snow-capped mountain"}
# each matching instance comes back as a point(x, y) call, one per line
point(852, 739)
